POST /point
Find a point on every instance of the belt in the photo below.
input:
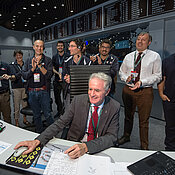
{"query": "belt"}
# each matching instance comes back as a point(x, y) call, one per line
point(138, 89)
point(38, 89)
point(141, 88)
point(4, 91)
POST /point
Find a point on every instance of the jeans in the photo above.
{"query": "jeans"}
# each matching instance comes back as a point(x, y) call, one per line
point(40, 101)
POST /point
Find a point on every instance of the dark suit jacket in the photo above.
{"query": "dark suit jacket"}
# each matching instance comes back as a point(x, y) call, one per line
point(77, 116)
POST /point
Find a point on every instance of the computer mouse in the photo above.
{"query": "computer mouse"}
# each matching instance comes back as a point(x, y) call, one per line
point(20, 150)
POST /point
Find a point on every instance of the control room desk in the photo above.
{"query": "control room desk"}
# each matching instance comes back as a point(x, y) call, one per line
point(13, 135)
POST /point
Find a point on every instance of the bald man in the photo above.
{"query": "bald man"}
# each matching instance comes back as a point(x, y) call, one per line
point(38, 72)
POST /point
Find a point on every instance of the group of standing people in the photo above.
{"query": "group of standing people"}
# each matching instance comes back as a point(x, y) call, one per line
point(140, 70)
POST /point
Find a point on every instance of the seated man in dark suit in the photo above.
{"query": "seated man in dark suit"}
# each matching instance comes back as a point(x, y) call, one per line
point(93, 120)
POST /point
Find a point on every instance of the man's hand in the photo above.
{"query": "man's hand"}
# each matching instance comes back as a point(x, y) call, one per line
point(34, 63)
point(31, 144)
point(77, 150)
point(164, 97)
point(5, 76)
point(136, 86)
point(59, 74)
point(93, 58)
point(129, 78)
point(67, 78)
point(99, 60)
point(8, 77)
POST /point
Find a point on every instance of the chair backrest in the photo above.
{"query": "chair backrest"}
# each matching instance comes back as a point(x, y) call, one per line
point(79, 76)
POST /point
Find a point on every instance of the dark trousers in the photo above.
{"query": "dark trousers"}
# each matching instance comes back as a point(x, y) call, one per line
point(5, 106)
point(58, 88)
point(169, 113)
point(143, 99)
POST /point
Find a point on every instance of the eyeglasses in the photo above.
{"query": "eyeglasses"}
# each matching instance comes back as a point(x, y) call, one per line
point(60, 46)
point(103, 47)
point(72, 46)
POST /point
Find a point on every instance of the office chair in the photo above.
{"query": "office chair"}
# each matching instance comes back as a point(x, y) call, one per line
point(79, 76)
point(28, 111)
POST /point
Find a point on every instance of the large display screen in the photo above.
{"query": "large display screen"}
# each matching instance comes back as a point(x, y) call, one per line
point(122, 44)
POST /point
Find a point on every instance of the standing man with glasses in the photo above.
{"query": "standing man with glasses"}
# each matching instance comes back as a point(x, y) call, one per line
point(76, 58)
point(140, 70)
point(58, 61)
point(105, 58)
point(38, 71)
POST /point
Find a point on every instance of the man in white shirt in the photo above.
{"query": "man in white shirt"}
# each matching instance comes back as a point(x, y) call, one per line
point(140, 70)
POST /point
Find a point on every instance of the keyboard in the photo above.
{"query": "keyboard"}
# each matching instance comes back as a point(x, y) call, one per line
point(155, 164)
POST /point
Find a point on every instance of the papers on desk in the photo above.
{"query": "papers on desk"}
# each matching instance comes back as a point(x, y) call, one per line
point(4, 146)
point(53, 161)
point(62, 164)
point(120, 168)
point(94, 165)
point(44, 158)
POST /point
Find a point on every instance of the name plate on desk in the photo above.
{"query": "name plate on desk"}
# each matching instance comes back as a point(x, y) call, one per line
point(24, 161)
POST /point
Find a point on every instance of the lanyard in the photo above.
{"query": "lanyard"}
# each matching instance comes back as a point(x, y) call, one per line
point(79, 60)
point(105, 60)
point(93, 124)
point(60, 60)
point(19, 67)
point(135, 65)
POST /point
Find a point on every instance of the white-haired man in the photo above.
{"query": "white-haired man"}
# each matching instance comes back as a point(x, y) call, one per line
point(93, 120)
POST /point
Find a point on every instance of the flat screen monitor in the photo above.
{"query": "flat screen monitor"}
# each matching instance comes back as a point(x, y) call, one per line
point(122, 44)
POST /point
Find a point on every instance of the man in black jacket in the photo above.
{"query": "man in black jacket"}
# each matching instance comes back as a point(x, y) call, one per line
point(38, 72)
point(105, 58)
point(58, 60)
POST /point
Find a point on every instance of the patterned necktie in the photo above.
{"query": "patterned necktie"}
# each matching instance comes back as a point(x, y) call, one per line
point(91, 129)
point(138, 67)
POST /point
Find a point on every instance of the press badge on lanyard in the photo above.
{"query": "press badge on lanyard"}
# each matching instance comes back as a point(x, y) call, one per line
point(60, 70)
point(36, 77)
point(134, 74)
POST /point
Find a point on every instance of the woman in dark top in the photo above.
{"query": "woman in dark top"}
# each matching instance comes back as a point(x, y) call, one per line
point(18, 89)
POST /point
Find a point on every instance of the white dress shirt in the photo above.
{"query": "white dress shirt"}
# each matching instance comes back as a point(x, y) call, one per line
point(89, 117)
point(150, 72)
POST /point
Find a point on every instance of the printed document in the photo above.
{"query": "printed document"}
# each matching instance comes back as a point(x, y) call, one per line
point(62, 164)
point(4, 146)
